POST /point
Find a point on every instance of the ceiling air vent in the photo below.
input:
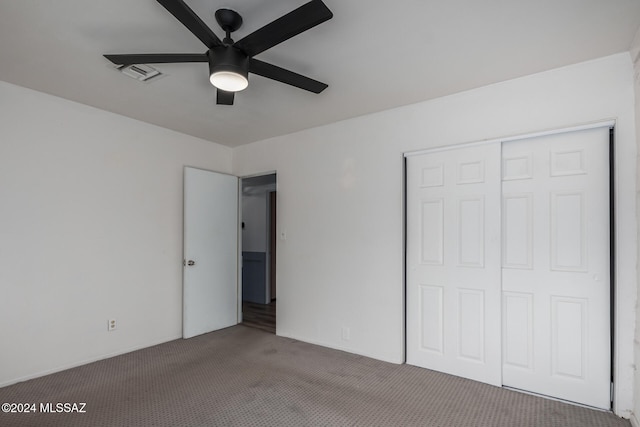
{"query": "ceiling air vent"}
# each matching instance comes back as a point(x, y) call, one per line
point(139, 72)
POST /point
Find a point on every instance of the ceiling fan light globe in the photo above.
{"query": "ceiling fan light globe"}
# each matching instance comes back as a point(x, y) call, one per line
point(229, 81)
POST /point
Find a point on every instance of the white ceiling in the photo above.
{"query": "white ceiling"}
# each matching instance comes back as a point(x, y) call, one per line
point(374, 55)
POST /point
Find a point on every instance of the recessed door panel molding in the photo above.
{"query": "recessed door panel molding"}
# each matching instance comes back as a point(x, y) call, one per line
point(471, 332)
point(568, 162)
point(433, 176)
point(517, 335)
point(453, 263)
point(517, 230)
point(568, 231)
point(432, 232)
point(432, 325)
point(471, 172)
point(517, 167)
point(471, 232)
point(569, 336)
point(569, 277)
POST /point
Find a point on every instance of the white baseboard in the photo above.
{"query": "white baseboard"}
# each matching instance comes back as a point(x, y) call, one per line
point(86, 361)
point(395, 361)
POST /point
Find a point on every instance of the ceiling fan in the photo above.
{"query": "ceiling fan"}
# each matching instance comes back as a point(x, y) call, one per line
point(231, 62)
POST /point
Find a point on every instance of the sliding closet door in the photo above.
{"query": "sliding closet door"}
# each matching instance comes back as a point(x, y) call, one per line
point(453, 262)
point(555, 277)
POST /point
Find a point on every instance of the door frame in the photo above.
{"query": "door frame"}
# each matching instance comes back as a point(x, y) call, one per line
point(615, 314)
point(271, 242)
point(268, 285)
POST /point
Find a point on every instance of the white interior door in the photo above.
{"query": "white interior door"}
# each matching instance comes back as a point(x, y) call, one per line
point(453, 262)
point(210, 280)
point(555, 277)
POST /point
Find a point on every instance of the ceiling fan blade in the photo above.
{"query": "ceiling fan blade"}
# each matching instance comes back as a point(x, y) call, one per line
point(293, 23)
point(224, 98)
point(285, 76)
point(189, 19)
point(156, 58)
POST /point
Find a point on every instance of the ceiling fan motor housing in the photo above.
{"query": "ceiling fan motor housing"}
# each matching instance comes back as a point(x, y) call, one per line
point(228, 59)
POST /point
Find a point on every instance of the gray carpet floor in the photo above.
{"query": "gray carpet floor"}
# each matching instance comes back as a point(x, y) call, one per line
point(246, 377)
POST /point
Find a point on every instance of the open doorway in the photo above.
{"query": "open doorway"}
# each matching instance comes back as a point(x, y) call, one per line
point(259, 252)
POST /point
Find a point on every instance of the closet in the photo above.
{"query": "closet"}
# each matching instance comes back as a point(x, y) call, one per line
point(508, 263)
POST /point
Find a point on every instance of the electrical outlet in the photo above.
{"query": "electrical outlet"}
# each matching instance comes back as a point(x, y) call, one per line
point(112, 325)
point(346, 333)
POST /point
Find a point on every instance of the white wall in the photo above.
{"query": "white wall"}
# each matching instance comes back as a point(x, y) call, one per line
point(340, 201)
point(90, 229)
